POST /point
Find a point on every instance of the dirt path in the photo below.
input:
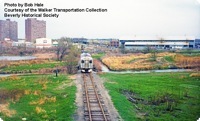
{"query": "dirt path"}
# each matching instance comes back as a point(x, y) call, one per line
point(79, 116)
point(45, 55)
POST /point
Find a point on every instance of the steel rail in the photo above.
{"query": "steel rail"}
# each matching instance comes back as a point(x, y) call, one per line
point(96, 94)
point(87, 98)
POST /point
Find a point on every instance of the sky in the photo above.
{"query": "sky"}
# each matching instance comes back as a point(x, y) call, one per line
point(123, 18)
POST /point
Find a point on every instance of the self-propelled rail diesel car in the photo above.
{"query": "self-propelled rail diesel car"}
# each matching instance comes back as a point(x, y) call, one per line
point(86, 63)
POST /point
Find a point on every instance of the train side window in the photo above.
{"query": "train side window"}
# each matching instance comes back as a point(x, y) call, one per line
point(82, 61)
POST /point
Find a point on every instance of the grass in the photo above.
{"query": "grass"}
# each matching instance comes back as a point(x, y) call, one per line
point(192, 54)
point(31, 66)
point(155, 96)
point(169, 58)
point(132, 60)
point(38, 97)
point(189, 52)
point(98, 56)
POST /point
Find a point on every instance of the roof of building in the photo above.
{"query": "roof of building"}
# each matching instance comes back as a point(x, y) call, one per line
point(158, 38)
point(43, 39)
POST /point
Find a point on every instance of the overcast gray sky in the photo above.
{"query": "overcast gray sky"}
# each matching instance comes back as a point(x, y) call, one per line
point(124, 18)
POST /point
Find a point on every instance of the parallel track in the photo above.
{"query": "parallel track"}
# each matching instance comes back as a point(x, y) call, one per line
point(95, 109)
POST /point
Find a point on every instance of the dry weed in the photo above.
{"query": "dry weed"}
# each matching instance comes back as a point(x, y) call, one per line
point(39, 110)
point(14, 77)
point(3, 79)
point(36, 92)
point(195, 75)
point(27, 92)
point(4, 109)
point(187, 62)
point(44, 86)
point(73, 77)
point(14, 95)
point(43, 100)
point(134, 61)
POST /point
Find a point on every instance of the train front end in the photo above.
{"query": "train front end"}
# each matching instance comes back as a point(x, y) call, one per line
point(86, 63)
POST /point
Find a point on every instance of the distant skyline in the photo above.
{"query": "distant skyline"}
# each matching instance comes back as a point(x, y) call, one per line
point(123, 18)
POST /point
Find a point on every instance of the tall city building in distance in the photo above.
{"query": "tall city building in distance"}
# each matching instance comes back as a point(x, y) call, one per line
point(8, 29)
point(34, 29)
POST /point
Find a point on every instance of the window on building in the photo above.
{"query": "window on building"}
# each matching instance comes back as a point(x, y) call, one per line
point(44, 41)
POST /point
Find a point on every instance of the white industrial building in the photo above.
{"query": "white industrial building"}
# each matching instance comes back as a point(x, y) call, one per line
point(167, 42)
point(22, 43)
point(55, 44)
point(43, 43)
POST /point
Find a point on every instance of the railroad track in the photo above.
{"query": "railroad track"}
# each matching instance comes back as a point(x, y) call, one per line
point(94, 108)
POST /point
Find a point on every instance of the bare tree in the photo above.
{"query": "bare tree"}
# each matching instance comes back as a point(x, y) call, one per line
point(153, 55)
point(72, 59)
point(62, 48)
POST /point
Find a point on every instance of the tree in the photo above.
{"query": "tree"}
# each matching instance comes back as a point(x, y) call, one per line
point(72, 59)
point(63, 45)
point(153, 55)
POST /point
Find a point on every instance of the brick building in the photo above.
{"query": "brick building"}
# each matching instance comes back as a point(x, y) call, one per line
point(34, 29)
point(114, 43)
point(8, 29)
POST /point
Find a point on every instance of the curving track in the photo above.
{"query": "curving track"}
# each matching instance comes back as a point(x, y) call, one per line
point(95, 109)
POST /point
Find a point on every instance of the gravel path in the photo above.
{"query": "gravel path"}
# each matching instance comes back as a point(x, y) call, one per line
point(79, 116)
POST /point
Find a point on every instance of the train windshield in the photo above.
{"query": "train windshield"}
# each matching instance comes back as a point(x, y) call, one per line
point(85, 55)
